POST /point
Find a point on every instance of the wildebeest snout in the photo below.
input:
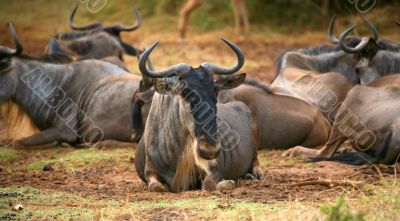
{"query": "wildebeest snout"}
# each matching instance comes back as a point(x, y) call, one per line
point(207, 150)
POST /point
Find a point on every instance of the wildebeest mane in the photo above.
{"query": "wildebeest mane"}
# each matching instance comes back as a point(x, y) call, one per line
point(325, 63)
point(387, 62)
point(388, 45)
point(325, 48)
point(49, 58)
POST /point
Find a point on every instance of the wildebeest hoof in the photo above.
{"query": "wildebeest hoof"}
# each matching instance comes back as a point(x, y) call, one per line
point(249, 176)
point(297, 152)
point(209, 184)
point(226, 185)
point(156, 187)
point(258, 173)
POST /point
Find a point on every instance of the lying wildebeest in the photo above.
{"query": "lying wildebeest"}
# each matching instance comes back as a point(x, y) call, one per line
point(320, 75)
point(369, 118)
point(95, 40)
point(369, 115)
point(280, 121)
point(188, 136)
point(74, 103)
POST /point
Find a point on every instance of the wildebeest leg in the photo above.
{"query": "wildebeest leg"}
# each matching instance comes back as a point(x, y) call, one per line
point(48, 136)
point(140, 160)
point(152, 179)
point(213, 179)
point(256, 168)
point(336, 139)
point(185, 12)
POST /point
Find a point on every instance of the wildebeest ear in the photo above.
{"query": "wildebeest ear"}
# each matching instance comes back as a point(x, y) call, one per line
point(167, 85)
point(230, 81)
point(53, 47)
point(146, 96)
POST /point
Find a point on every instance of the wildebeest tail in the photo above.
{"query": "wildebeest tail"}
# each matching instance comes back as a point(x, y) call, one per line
point(360, 158)
point(352, 158)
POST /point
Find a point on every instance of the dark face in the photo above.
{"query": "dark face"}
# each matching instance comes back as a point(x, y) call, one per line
point(199, 93)
point(369, 52)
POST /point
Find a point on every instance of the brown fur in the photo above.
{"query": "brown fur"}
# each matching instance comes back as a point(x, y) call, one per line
point(16, 124)
point(185, 175)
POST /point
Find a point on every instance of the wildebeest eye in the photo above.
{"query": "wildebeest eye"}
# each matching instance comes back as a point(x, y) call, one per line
point(4, 63)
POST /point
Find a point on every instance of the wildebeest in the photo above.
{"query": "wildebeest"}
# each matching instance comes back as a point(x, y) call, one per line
point(95, 40)
point(369, 115)
point(369, 118)
point(280, 121)
point(320, 75)
point(370, 52)
point(188, 136)
point(77, 102)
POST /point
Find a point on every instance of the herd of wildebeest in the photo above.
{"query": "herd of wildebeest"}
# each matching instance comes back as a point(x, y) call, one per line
point(201, 127)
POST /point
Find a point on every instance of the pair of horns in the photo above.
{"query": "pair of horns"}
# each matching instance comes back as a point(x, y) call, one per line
point(117, 27)
point(5, 51)
point(335, 40)
point(183, 68)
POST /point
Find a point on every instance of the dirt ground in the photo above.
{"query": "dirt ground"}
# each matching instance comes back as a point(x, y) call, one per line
point(113, 181)
point(285, 181)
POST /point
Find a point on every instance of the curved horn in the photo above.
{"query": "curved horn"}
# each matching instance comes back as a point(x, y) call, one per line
point(146, 80)
point(331, 36)
point(174, 70)
point(225, 71)
point(136, 25)
point(373, 29)
point(83, 27)
point(358, 48)
point(18, 47)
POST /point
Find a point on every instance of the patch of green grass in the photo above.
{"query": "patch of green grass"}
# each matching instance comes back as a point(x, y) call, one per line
point(268, 159)
point(380, 202)
point(341, 211)
point(8, 154)
point(44, 205)
point(84, 157)
point(47, 204)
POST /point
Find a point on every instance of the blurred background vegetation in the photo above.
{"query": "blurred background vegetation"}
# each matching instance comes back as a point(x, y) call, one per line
point(284, 15)
point(278, 15)
point(37, 20)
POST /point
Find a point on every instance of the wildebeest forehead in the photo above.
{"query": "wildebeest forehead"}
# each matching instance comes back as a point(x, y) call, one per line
point(198, 82)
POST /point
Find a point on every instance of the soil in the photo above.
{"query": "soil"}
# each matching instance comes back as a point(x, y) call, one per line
point(301, 181)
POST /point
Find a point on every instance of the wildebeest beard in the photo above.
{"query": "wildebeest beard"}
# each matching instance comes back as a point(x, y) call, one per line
point(198, 89)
